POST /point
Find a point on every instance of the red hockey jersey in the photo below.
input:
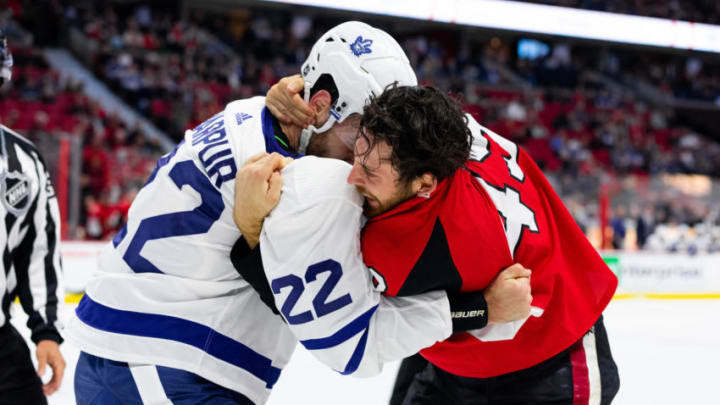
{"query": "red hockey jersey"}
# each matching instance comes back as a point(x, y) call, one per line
point(497, 210)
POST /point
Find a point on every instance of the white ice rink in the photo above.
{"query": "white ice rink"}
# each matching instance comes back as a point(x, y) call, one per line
point(668, 352)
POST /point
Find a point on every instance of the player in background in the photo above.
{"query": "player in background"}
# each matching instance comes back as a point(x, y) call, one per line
point(168, 318)
point(523, 220)
point(30, 269)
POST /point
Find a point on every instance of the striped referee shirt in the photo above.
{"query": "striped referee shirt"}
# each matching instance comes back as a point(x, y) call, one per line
point(29, 237)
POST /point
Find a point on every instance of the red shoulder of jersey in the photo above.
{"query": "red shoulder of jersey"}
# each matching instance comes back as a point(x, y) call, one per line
point(433, 243)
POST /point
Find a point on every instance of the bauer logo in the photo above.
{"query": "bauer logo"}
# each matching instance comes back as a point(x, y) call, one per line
point(468, 314)
point(361, 46)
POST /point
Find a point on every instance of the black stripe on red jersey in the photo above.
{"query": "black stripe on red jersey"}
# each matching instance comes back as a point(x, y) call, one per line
point(435, 269)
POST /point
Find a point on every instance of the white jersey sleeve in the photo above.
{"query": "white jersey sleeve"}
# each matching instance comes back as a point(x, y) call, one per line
point(166, 292)
point(310, 246)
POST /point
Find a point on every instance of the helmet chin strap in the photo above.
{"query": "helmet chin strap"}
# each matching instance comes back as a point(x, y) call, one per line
point(304, 140)
point(308, 132)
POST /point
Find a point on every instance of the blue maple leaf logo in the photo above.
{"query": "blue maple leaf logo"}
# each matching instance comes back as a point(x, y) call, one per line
point(361, 46)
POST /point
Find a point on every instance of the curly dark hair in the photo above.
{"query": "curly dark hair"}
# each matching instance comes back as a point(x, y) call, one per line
point(425, 128)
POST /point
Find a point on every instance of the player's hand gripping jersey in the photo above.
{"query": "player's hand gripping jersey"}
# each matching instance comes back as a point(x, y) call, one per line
point(497, 210)
point(167, 293)
point(311, 256)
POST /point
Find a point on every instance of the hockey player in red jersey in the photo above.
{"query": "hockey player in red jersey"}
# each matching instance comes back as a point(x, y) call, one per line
point(496, 207)
point(444, 193)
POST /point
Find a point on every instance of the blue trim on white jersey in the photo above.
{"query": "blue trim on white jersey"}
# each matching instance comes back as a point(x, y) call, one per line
point(271, 144)
point(357, 355)
point(162, 161)
point(345, 333)
point(359, 324)
point(179, 330)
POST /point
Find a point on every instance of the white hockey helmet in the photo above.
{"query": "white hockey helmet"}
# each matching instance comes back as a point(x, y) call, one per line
point(362, 61)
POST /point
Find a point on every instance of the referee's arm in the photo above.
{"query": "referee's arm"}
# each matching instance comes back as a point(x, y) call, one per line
point(37, 261)
point(38, 269)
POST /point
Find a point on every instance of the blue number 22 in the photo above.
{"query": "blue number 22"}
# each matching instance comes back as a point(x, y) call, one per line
point(198, 220)
point(320, 303)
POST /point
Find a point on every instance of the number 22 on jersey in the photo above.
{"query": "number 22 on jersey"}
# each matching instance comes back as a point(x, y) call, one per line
point(321, 305)
point(210, 137)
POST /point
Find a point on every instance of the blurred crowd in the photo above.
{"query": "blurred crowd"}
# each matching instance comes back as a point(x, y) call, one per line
point(174, 69)
point(178, 67)
point(116, 159)
point(704, 11)
point(652, 220)
point(170, 70)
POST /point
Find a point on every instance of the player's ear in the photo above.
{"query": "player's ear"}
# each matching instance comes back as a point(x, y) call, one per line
point(424, 185)
point(320, 103)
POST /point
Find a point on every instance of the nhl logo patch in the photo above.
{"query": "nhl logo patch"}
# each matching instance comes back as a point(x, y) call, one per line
point(16, 192)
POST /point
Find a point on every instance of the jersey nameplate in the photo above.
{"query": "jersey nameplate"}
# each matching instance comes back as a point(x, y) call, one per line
point(215, 153)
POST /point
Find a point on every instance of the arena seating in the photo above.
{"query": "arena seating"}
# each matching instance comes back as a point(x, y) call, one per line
point(180, 68)
point(116, 159)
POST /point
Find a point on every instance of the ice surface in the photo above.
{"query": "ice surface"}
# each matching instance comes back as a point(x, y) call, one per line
point(667, 352)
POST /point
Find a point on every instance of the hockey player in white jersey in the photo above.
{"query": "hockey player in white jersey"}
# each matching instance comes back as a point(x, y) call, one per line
point(168, 318)
point(312, 266)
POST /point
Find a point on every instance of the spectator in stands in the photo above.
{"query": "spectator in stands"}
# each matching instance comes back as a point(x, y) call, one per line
point(644, 225)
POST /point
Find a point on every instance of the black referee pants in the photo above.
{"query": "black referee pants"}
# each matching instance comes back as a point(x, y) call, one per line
point(19, 383)
point(583, 374)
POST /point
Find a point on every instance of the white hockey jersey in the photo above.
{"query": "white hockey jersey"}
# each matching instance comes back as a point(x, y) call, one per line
point(167, 293)
point(311, 253)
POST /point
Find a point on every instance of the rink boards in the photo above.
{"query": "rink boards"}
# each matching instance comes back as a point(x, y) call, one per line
point(640, 274)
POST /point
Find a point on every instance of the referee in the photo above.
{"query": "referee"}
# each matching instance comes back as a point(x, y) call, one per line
point(29, 238)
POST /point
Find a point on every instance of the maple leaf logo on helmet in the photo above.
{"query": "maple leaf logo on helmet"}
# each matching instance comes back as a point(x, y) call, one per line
point(361, 46)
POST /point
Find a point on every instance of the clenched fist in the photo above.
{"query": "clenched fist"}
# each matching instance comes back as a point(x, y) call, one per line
point(257, 191)
point(508, 296)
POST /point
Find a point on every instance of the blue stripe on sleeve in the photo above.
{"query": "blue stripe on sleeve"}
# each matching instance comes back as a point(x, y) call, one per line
point(348, 331)
point(359, 324)
point(180, 330)
point(357, 355)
